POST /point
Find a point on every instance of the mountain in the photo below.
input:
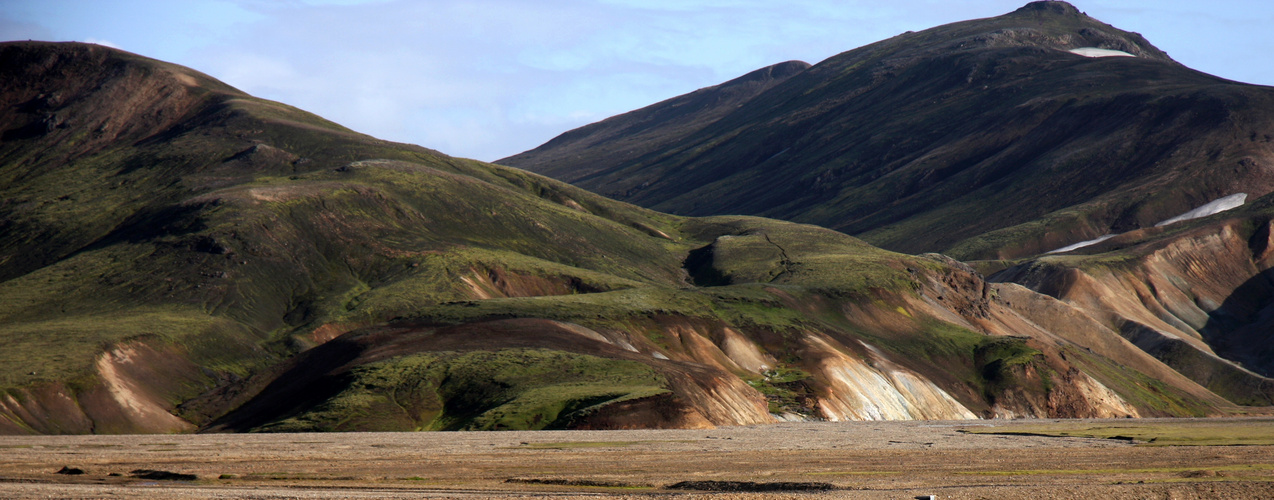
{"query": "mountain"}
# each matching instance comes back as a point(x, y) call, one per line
point(178, 256)
point(585, 151)
point(994, 138)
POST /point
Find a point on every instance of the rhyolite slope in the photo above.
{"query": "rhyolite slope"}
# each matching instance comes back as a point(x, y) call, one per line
point(1198, 295)
point(176, 255)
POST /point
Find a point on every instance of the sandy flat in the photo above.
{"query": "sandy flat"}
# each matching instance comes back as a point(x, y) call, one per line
point(857, 459)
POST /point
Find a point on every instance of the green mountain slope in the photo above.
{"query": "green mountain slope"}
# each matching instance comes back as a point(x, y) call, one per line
point(980, 139)
point(177, 255)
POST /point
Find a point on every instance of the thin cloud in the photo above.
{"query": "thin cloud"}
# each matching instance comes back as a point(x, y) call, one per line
point(17, 30)
point(99, 41)
point(490, 78)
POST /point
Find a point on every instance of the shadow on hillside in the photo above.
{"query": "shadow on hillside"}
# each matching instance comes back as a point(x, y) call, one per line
point(1242, 328)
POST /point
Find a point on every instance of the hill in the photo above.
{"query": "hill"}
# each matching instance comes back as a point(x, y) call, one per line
point(1196, 294)
point(993, 138)
point(180, 256)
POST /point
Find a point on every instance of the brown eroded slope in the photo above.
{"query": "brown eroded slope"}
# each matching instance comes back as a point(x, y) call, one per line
point(222, 262)
point(1194, 294)
point(797, 347)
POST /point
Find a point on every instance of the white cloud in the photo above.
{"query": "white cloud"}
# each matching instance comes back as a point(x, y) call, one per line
point(99, 41)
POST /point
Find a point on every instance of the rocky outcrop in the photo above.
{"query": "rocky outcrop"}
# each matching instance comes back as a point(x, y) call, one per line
point(1195, 299)
point(873, 388)
point(1072, 394)
point(500, 282)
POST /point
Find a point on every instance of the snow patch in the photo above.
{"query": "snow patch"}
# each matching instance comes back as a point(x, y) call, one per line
point(1211, 208)
point(1096, 52)
point(1083, 244)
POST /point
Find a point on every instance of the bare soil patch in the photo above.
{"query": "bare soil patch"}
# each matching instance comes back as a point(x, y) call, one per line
point(846, 460)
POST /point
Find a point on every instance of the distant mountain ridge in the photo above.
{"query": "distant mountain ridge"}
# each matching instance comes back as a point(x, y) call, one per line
point(981, 139)
point(582, 152)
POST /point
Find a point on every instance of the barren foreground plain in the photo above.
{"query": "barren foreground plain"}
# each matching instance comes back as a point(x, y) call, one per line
point(1150, 458)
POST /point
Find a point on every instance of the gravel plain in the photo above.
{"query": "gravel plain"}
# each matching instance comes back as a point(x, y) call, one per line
point(869, 460)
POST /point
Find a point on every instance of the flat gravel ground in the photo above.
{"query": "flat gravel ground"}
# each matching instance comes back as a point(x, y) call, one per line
point(856, 459)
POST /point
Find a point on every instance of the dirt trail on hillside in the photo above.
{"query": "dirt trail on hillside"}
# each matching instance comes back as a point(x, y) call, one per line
point(855, 459)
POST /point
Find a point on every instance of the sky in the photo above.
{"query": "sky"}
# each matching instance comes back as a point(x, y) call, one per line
point(487, 79)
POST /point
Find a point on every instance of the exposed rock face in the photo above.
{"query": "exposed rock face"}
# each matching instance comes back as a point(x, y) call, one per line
point(43, 409)
point(129, 393)
point(1195, 299)
point(1074, 395)
point(497, 282)
point(1094, 399)
point(704, 364)
point(875, 389)
point(133, 380)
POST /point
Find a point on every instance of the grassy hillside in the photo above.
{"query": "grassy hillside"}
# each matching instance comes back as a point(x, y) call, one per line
point(178, 255)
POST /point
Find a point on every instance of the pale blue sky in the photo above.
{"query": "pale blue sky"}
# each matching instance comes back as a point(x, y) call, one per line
point(489, 78)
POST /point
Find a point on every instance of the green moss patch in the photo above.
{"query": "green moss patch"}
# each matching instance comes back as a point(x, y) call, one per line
point(784, 389)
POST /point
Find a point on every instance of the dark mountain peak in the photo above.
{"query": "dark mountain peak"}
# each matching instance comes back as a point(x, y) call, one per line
point(951, 139)
point(54, 92)
point(1056, 7)
point(78, 98)
point(1048, 24)
point(33, 64)
point(1060, 25)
